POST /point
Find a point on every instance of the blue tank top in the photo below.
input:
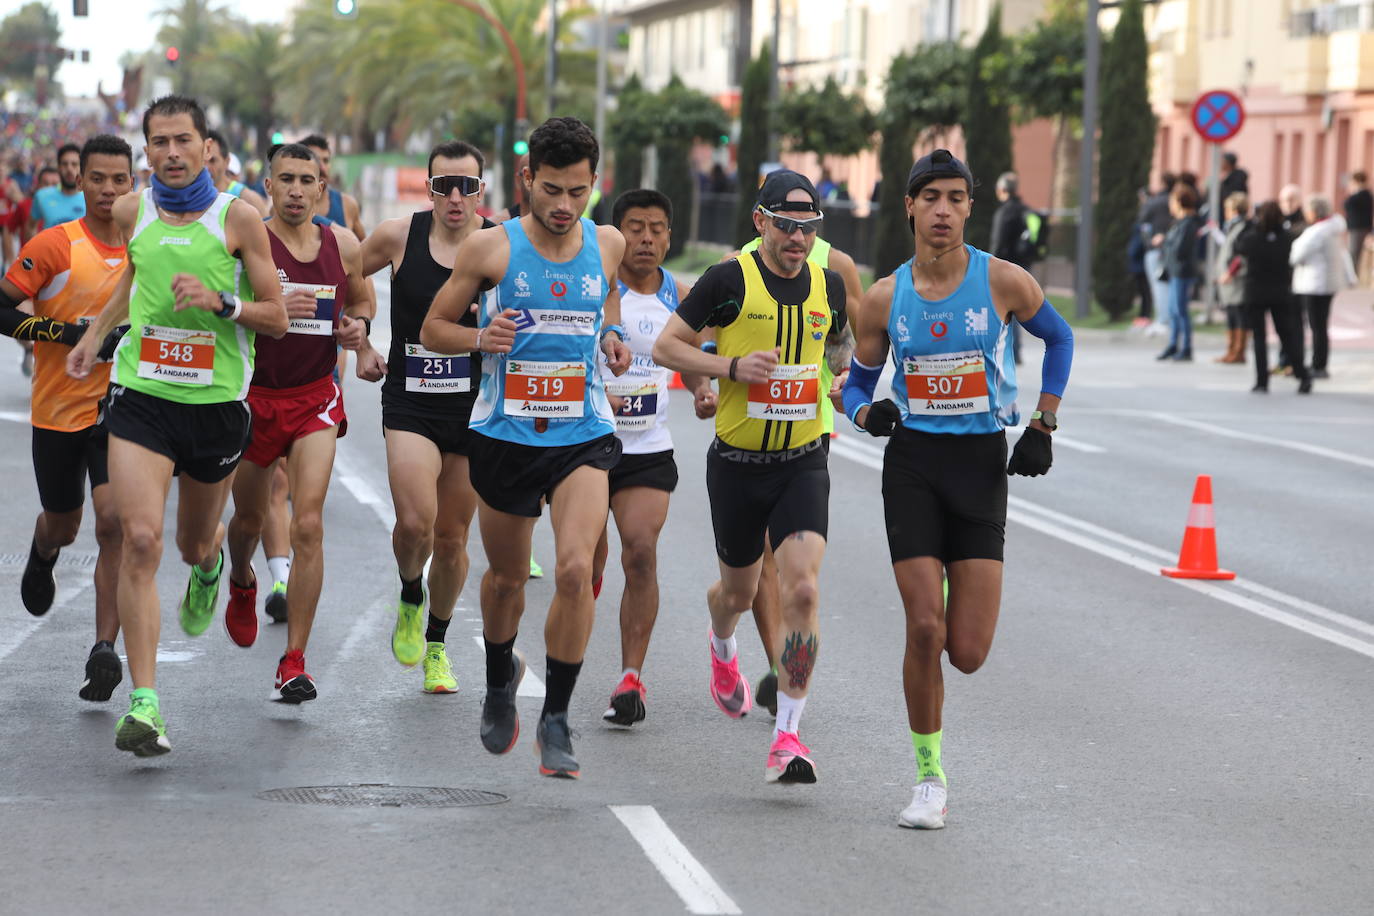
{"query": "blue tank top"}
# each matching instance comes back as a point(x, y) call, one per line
point(955, 370)
point(547, 390)
point(336, 212)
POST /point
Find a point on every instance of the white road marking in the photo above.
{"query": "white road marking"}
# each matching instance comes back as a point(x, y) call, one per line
point(684, 874)
point(1147, 558)
point(1305, 447)
point(530, 684)
point(353, 480)
point(1072, 444)
point(15, 416)
point(14, 637)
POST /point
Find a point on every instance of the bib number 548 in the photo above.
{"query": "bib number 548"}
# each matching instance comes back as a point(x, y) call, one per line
point(174, 353)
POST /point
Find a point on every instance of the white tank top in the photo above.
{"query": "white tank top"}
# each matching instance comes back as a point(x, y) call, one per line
point(642, 424)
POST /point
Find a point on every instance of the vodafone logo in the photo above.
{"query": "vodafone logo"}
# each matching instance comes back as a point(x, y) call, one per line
point(938, 329)
point(558, 288)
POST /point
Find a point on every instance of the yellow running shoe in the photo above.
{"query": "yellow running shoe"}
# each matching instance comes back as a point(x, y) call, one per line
point(438, 672)
point(408, 636)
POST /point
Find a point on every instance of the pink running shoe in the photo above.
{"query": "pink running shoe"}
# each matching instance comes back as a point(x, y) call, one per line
point(728, 689)
point(788, 761)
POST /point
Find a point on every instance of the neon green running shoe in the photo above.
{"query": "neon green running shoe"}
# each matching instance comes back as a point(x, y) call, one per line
point(438, 672)
point(408, 636)
point(536, 571)
point(141, 730)
point(198, 604)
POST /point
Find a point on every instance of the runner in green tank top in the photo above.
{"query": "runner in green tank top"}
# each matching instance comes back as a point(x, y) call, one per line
point(176, 402)
point(767, 605)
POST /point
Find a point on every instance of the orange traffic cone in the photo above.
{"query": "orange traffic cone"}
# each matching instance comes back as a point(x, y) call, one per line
point(676, 381)
point(1197, 558)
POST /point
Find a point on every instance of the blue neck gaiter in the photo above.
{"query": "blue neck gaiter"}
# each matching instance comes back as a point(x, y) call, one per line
point(198, 195)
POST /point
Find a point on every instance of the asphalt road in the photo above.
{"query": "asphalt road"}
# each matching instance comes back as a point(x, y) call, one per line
point(1133, 745)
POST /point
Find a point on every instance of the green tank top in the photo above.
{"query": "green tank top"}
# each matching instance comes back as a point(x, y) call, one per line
point(820, 256)
point(191, 356)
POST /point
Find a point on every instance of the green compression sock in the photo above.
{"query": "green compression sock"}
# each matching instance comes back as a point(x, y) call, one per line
point(207, 577)
point(928, 755)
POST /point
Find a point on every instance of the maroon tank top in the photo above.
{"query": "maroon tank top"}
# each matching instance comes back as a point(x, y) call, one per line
point(307, 353)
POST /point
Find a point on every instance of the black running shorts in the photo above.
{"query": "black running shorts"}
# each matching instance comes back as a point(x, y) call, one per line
point(447, 429)
point(655, 470)
point(779, 493)
point(945, 496)
point(204, 441)
point(515, 478)
point(63, 461)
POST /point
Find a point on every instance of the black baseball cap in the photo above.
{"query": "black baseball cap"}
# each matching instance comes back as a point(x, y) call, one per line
point(777, 185)
point(940, 163)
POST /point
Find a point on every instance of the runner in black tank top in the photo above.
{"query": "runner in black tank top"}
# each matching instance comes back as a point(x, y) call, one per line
point(426, 401)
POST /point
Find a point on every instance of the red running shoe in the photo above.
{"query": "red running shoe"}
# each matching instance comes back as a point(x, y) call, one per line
point(627, 702)
point(293, 684)
point(241, 616)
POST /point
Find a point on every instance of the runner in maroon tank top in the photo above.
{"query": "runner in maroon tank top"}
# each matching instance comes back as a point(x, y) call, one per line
point(297, 408)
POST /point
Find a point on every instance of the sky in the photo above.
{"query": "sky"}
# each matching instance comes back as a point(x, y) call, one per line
point(134, 23)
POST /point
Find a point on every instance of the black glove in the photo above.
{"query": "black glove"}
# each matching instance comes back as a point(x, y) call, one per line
point(883, 417)
point(1032, 455)
point(107, 346)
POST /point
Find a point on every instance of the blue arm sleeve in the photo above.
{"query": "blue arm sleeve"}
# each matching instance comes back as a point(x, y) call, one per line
point(1058, 338)
point(859, 388)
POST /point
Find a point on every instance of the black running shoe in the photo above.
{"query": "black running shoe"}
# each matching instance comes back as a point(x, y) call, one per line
point(104, 671)
point(767, 693)
point(38, 587)
point(627, 702)
point(275, 606)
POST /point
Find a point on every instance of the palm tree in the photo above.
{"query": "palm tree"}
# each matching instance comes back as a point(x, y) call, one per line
point(246, 64)
point(192, 27)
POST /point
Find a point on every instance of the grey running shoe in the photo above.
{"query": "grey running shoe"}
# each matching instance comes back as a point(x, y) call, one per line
point(500, 722)
point(553, 741)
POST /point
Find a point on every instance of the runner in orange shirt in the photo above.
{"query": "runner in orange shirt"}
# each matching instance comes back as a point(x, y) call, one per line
point(69, 271)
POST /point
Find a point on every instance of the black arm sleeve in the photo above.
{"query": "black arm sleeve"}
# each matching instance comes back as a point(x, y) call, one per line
point(715, 299)
point(838, 298)
point(14, 323)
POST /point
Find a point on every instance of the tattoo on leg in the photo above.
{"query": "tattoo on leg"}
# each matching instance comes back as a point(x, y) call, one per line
point(798, 658)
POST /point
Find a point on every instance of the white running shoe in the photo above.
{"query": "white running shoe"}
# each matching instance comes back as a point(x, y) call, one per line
point(927, 809)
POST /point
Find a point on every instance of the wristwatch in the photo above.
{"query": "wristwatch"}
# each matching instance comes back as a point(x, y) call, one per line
point(229, 304)
point(1047, 418)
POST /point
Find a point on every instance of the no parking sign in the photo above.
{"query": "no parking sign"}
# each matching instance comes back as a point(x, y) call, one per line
point(1218, 115)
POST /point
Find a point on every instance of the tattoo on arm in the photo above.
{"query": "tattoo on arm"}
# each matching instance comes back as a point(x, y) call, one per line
point(798, 658)
point(839, 348)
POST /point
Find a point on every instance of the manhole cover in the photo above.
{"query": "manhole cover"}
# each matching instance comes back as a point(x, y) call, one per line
point(383, 796)
point(68, 559)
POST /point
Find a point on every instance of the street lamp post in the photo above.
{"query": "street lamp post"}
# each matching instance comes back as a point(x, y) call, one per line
point(1083, 272)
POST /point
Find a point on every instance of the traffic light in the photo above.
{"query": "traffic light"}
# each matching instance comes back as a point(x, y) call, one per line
point(346, 9)
point(521, 147)
point(278, 137)
point(173, 55)
point(81, 8)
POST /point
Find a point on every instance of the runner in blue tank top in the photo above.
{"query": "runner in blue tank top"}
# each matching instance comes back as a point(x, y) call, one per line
point(944, 314)
point(542, 424)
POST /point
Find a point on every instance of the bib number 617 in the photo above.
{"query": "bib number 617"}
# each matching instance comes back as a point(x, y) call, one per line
point(780, 390)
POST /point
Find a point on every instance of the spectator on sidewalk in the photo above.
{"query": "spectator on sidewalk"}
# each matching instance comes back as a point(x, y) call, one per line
point(1183, 267)
point(1359, 215)
point(1265, 247)
point(1233, 181)
point(1231, 283)
point(1321, 268)
point(1156, 218)
point(1136, 248)
point(1290, 202)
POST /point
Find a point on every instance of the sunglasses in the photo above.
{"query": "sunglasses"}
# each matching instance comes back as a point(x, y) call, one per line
point(443, 185)
point(786, 225)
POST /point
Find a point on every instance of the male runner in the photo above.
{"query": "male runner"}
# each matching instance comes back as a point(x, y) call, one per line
point(640, 485)
point(945, 316)
point(181, 373)
point(333, 204)
point(426, 401)
point(217, 161)
point(297, 408)
point(543, 425)
point(69, 271)
point(766, 602)
point(53, 206)
point(777, 318)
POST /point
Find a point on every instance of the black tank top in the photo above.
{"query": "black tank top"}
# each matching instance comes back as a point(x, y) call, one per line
point(413, 288)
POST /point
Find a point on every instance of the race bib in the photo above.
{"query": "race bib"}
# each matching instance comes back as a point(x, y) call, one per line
point(791, 393)
point(182, 355)
point(640, 410)
point(322, 325)
point(545, 389)
point(946, 383)
point(428, 372)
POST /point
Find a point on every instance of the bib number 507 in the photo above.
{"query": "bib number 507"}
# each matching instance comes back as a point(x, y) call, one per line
point(944, 385)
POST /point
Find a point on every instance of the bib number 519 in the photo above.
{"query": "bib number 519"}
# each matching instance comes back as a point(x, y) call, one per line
point(543, 387)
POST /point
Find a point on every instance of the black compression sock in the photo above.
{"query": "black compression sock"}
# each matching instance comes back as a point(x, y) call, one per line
point(413, 592)
point(500, 661)
point(558, 686)
point(436, 630)
point(36, 560)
